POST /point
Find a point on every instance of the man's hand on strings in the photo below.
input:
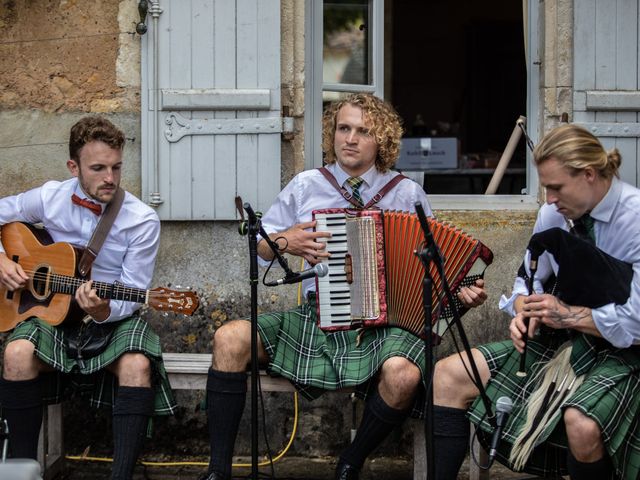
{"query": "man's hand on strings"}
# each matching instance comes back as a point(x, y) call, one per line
point(12, 276)
point(302, 241)
point(473, 295)
point(90, 302)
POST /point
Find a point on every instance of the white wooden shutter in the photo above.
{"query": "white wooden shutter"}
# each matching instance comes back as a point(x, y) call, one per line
point(606, 98)
point(211, 117)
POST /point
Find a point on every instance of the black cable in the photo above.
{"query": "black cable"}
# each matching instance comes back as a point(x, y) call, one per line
point(474, 439)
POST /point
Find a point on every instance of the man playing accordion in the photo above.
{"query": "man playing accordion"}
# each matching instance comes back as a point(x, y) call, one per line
point(361, 139)
point(576, 409)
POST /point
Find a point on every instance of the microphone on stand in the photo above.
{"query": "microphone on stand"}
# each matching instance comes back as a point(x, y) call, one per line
point(319, 270)
point(503, 409)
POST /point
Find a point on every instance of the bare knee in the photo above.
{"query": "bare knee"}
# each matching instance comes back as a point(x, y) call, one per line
point(232, 346)
point(584, 435)
point(399, 380)
point(133, 370)
point(452, 385)
point(20, 362)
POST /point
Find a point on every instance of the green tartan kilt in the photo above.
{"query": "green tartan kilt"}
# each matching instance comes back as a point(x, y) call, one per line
point(89, 375)
point(316, 361)
point(609, 394)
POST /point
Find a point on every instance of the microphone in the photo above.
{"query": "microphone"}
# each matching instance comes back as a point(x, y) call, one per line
point(503, 409)
point(319, 270)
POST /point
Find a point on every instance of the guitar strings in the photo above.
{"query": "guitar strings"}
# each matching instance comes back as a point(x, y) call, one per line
point(65, 280)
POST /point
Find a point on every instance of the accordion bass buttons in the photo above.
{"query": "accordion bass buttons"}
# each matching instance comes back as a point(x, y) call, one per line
point(348, 270)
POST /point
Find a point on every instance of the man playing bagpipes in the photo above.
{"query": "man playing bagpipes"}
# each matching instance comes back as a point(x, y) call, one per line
point(575, 406)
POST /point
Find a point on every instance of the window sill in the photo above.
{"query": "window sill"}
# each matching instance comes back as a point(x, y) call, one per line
point(484, 202)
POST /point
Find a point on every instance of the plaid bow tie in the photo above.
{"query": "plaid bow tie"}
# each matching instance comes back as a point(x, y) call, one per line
point(83, 202)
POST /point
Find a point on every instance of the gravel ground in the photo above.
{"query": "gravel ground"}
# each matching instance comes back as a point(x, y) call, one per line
point(287, 468)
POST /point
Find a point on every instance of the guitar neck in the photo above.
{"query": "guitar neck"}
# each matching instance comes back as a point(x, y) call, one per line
point(111, 291)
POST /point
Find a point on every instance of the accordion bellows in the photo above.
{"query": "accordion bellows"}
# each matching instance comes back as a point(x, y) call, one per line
point(375, 278)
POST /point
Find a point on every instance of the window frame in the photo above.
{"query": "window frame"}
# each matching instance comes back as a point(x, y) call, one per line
point(314, 87)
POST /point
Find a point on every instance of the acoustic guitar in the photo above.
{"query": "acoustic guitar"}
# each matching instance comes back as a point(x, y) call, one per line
point(52, 270)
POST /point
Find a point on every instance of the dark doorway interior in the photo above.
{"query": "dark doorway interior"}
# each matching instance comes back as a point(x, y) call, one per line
point(458, 70)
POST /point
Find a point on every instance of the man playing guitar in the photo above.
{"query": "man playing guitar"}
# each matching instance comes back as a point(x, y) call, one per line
point(123, 370)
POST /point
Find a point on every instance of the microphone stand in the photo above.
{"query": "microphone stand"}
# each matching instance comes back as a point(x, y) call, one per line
point(428, 254)
point(431, 253)
point(253, 227)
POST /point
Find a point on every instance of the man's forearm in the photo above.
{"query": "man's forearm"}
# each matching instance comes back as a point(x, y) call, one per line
point(265, 251)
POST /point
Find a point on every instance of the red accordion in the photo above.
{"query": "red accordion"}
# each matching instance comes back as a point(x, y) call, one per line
point(375, 279)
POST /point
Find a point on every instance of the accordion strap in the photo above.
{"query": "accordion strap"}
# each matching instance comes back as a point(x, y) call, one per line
point(349, 198)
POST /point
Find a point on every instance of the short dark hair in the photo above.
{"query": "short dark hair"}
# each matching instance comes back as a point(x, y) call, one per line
point(89, 129)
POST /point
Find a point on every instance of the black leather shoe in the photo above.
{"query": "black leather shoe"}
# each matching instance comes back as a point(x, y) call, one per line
point(212, 476)
point(344, 471)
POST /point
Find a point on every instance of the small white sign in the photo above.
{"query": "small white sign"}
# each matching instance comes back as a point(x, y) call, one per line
point(427, 153)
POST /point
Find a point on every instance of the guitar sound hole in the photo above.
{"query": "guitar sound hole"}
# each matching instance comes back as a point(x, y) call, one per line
point(40, 282)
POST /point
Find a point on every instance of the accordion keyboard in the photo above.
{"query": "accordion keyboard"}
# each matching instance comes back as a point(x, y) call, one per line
point(333, 290)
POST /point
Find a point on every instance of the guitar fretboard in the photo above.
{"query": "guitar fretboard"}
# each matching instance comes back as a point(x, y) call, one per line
point(112, 291)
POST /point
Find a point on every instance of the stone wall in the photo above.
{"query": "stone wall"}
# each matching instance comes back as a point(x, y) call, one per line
point(61, 59)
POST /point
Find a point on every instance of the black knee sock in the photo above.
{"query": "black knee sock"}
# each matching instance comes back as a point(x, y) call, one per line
point(378, 420)
point(21, 403)
point(131, 412)
point(601, 469)
point(451, 437)
point(226, 395)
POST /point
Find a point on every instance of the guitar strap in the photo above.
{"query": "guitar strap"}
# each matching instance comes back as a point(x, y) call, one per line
point(87, 339)
point(100, 233)
point(349, 198)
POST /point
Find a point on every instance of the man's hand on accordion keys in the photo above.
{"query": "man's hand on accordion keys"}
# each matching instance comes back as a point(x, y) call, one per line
point(302, 241)
point(474, 295)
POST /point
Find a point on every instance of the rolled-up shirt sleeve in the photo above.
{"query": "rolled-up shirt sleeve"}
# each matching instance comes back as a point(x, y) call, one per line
point(24, 207)
point(282, 214)
point(138, 264)
point(620, 324)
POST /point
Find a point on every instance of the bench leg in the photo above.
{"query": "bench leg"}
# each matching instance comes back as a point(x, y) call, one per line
point(475, 472)
point(50, 443)
point(419, 452)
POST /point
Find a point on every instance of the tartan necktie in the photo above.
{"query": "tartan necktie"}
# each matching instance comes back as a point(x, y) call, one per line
point(583, 228)
point(83, 202)
point(354, 183)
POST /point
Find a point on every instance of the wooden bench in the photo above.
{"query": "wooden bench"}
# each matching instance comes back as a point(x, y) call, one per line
point(188, 371)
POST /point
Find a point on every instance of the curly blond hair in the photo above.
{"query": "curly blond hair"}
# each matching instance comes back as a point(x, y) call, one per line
point(576, 148)
point(385, 126)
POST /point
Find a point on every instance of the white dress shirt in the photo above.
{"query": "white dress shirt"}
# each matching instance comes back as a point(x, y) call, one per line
point(129, 252)
point(310, 190)
point(617, 231)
